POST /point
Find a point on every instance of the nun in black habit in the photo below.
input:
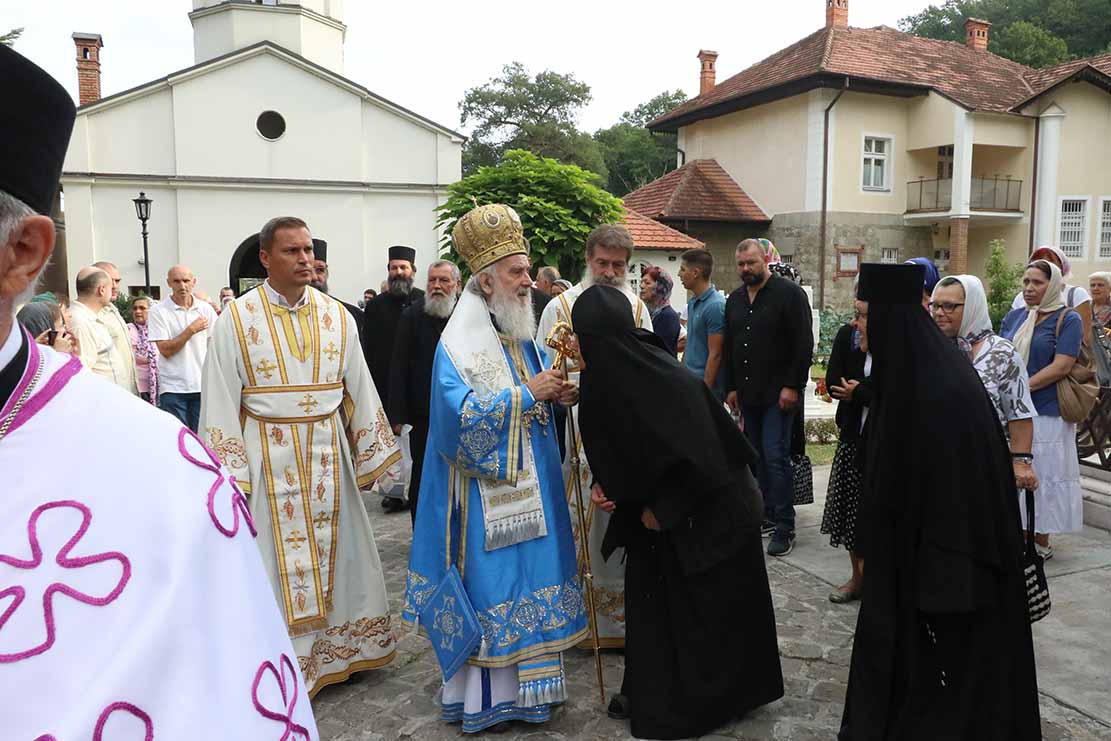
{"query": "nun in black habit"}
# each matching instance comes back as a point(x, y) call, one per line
point(943, 647)
point(700, 642)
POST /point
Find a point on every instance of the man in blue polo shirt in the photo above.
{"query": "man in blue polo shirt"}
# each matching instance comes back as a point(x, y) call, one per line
point(705, 320)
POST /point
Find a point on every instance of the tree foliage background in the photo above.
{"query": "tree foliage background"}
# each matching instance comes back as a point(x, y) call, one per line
point(539, 113)
point(9, 38)
point(1004, 279)
point(559, 204)
point(1038, 33)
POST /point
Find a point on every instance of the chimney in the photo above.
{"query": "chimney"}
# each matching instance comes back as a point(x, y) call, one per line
point(707, 78)
point(88, 66)
point(837, 13)
point(976, 34)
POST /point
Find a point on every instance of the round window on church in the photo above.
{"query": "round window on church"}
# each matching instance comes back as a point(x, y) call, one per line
point(270, 125)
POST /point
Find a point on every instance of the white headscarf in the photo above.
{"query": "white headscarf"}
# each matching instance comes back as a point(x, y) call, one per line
point(1051, 301)
point(975, 322)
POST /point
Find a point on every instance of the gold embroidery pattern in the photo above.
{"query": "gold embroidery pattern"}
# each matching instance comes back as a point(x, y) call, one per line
point(341, 643)
point(382, 439)
point(231, 451)
point(481, 425)
point(547, 608)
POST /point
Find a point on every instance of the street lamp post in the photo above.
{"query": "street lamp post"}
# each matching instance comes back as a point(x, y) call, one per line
point(142, 210)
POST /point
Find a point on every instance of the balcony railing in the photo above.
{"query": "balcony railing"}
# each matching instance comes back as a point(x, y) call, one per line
point(988, 194)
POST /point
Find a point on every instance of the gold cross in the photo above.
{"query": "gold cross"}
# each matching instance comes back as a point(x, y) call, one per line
point(322, 518)
point(308, 403)
point(331, 351)
point(266, 368)
point(295, 539)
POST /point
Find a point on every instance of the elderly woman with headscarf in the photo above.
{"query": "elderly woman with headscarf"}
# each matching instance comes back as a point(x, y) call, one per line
point(1100, 285)
point(43, 321)
point(146, 353)
point(1047, 335)
point(655, 291)
point(1073, 297)
point(960, 310)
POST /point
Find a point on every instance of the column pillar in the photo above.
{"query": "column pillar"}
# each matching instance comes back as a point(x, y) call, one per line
point(958, 245)
point(1049, 154)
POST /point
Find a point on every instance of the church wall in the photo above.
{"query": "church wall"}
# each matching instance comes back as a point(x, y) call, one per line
point(215, 121)
point(77, 154)
point(396, 150)
point(322, 44)
point(134, 138)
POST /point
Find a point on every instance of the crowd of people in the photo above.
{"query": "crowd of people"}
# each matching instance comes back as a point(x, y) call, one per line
point(520, 406)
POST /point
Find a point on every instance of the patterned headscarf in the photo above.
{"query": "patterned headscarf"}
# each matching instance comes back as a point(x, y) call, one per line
point(1053, 254)
point(775, 262)
point(145, 348)
point(664, 284)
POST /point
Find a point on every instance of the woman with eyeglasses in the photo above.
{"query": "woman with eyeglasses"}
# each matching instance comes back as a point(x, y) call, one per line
point(960, 309)
point(1047, 335)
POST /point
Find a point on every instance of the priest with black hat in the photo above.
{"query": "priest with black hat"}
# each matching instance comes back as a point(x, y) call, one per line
point(140, 628)
point(380, 321)
point(320, 283)
point(943, 648)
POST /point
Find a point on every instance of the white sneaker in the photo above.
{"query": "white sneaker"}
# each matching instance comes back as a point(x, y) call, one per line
point(1045, 551)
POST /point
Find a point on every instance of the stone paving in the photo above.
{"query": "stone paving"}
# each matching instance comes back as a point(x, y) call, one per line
point(815, 642)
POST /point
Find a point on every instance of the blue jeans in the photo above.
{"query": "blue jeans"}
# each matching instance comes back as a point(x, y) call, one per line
point(186, 407)
point(769, 430)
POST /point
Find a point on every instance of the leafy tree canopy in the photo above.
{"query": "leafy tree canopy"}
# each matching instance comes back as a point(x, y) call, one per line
point(559, 205)
point(9, 38)
point(1004, 279)
point(519, 111)
point(633, 155)
point(1033, 32)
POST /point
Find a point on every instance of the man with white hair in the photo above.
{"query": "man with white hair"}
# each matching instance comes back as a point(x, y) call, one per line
point(493, 521)
point(609, 248)
point(180, 326)
point(163, 599)
point(414, 350)
point(91, 327)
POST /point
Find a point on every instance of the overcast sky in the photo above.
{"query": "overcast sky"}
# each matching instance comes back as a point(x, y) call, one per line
point(424, 55)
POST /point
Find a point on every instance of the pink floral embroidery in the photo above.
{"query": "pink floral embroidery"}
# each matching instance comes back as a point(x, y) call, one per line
point(98, 732)
point(64, 560)
point(289, 696)
point(238, 501)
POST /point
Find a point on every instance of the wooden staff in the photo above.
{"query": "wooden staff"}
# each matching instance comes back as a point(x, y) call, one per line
point(561, 339)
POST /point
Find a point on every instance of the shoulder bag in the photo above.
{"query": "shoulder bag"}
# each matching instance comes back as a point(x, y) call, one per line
point(1077, 392)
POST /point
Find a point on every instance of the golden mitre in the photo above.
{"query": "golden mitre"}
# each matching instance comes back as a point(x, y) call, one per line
point(486, 234)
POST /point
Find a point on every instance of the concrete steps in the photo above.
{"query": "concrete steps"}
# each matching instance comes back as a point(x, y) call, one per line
point(1096, 485)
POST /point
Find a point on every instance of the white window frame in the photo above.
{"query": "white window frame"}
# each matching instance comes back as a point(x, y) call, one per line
point(883, 256)
point(1085, 227)
point(889, 160)
point(1103, 231)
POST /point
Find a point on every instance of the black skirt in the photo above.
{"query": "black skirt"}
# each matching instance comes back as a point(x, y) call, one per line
point(843, 498)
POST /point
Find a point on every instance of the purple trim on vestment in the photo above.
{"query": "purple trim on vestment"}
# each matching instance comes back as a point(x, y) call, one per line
point(28, 375)
point(238, 501)
point(48, 391)
point(288, 703)
point(98, 733)
point(63, 559)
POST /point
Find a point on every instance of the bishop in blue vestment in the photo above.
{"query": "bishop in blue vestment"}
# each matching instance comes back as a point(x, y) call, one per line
point(492, 497)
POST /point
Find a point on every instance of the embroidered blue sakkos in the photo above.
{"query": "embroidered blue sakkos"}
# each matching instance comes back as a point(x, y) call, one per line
point(527, 595)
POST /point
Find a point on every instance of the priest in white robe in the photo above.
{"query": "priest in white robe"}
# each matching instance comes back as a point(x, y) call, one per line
point(609, 248)
point(492, 503)
point(290, 407)
point(133, 602)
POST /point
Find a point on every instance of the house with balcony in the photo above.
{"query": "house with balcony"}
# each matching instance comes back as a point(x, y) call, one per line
point(869, 144)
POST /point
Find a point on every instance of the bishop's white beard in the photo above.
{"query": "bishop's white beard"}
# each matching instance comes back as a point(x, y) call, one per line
point(514, 314)
point(619, 283)
point(439, 306)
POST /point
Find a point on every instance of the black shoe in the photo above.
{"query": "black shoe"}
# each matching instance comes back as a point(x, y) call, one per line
point(767, 528)
point(781, 545)
point(499, 728)
point(619, 708)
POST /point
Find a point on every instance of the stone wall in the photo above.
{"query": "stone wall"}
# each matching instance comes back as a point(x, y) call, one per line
point(797, 234)
point(722, 240)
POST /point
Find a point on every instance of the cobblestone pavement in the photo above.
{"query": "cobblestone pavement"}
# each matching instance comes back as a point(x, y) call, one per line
point(815, 641)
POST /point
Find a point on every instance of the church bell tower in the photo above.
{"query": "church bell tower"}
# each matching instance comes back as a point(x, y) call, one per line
point(312, 28)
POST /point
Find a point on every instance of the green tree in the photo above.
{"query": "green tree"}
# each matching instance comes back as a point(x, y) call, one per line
point(633, 155)
point(517, 111)
point(1029, 44)
point(558, 203)
point(1003, 281)
point(9, 38)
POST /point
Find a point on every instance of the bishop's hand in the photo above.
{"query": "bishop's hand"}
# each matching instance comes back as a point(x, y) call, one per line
point(546, 385)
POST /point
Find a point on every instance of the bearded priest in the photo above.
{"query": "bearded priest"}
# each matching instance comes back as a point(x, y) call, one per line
point(609, 248)
point(492, 501)
point(289, 406)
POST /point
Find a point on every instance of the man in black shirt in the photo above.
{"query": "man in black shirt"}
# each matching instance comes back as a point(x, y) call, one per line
point(768, 349)
point(418, 335)
point(380, 319)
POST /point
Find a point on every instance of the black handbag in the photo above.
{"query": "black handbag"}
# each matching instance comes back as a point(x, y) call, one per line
point(802, 476)
point(1033, 569)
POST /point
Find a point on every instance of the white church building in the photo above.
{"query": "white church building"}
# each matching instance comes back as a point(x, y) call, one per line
point(264, 124)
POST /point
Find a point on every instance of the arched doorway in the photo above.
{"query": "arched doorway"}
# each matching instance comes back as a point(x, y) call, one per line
point(245, 270)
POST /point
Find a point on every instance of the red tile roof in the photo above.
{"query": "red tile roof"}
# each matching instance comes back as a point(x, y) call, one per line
point(977, 80)
point(1041, 80)
point(652, 235)
point(699, 190)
